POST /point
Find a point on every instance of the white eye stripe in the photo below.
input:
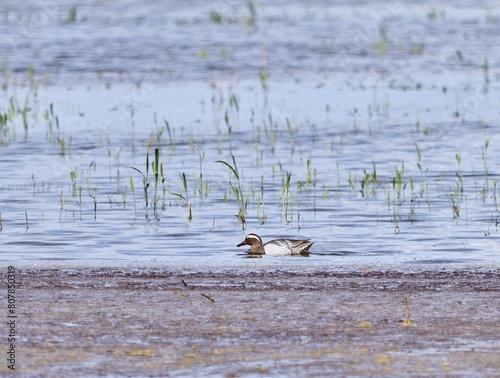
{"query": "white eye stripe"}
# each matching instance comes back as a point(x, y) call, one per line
point(252, 236)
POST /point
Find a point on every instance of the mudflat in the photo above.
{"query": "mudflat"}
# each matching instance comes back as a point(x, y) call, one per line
point(257, 320)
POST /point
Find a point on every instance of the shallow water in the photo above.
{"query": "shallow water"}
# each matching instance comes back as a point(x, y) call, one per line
point(134, 41)
point(390, 140)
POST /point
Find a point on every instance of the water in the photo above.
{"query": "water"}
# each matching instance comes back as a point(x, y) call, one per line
point(384, 116)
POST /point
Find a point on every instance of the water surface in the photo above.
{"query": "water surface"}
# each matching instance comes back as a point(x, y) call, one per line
point(379, 144)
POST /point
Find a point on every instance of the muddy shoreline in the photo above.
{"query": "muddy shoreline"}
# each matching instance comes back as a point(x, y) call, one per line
point(257, 320)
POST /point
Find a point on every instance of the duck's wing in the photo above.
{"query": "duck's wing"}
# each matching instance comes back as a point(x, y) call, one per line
point(287, 246)
point(302, 245)
point(279, 247)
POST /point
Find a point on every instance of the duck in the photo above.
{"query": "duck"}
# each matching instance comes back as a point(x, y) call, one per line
point(277, 246)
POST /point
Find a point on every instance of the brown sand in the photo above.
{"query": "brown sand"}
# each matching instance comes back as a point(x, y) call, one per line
point(258, 321)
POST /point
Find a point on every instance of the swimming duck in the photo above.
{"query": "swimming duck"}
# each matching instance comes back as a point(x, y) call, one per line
point(276, 246)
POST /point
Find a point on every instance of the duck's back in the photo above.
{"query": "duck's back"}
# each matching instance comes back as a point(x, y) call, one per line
point(287, 247)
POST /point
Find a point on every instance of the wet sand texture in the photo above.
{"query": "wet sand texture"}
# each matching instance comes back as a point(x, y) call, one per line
point(259, 322)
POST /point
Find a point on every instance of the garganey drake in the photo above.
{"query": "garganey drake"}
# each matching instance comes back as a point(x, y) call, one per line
point(276, 246)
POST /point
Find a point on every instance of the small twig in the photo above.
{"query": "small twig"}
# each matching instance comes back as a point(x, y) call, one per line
point(179, 293)
point(407, 322)
point(208, 297)
point(185, 284)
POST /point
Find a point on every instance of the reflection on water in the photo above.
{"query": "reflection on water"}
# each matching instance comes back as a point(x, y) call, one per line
point(381, 147)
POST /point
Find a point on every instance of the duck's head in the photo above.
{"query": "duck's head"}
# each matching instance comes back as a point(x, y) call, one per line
point(252, 240)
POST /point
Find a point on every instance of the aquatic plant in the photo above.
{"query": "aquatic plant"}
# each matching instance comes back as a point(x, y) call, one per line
point(396, 201)
point(73, 174)
point(423, 184)
point(159, 178)
point(171, 135)
point(79, 202)
point(52, 122)
point(432, 13)
point(185, 197)
point(263, 72)
point(145, 183)
point(417, 48)
point(240, 196)
point(381, 46)
point(495, 196)
point(93, 195)
point(132, 189)
point(64, 145)
point(203, 186)
point(5, 73)
point(484, 150)
point(3, 125)
point(261, 214)
point(24, 115)
point(286, 195)
point(459, 175)
point(309, 184)
point(27, 221)
point(399, 185)
point(235, 110)
point(116, 164)
point(486, 72)
point(369, 180)
point(353, 113)
point(62, 202)
point(217, 17)
point(9, 116)
point(455, 205)
point(72, 15)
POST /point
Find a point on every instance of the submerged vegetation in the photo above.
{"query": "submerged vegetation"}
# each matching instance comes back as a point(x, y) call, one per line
point(235, 14)
point(277, 168)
